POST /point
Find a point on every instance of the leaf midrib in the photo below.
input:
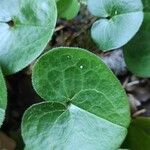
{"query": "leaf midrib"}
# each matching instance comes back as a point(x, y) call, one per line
point(91, 114)
point(121, 14)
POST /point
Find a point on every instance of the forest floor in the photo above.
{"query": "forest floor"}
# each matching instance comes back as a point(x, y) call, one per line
point(75, 33)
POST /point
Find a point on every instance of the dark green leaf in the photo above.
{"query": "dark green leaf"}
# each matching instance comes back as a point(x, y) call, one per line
point(3, 98)
point(94, 110)
point(120, 21)
point(146, 4)
point(26, 26)
point(138, 137)
point(137, 51)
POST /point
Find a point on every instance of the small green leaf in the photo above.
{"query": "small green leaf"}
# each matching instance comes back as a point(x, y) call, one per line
point(137, 51)
point(26, 26)
point(3, 98)
point(68, 9)
point(120, 21)
point(94, 109)
point(138, 137)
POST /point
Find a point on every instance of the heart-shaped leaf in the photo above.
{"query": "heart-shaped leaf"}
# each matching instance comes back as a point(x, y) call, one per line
point(26, 26)
point(94, 109)
point(138, 137)
point(68, 9)
point(137, 51)
point(120, 21)
point(3, 98)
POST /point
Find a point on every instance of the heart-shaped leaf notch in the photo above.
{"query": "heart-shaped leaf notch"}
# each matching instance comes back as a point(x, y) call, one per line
point(120, 21)
point(26, 26)
point(86, 109)
point(3, 98)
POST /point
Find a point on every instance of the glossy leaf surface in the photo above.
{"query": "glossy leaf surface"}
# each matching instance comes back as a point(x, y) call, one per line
point(119, 22)
point(26, 26)
point(94, 109)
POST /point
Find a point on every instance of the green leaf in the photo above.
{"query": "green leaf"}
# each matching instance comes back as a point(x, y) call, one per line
point(68, 9)
point(26, 26)
point(3, 98)
point(120, 21)
point(138, 137)
point(146, 4)
point(137, 51)
point(94, 109)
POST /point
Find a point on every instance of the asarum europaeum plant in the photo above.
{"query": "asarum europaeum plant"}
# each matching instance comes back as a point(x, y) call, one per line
point(119, 22)
point(85, 106)
point(3, 98)
point(26, 26)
